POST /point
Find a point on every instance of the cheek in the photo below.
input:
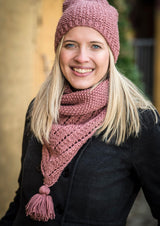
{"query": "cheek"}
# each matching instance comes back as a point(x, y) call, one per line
point(63, 63)
point(62, 59)
point(65, 60)
point(103, 63)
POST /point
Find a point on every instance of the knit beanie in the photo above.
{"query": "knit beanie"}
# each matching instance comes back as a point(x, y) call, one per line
point(96, 14)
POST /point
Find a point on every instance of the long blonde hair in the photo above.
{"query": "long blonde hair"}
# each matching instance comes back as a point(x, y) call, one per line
point(125, 100)
point(122, 117)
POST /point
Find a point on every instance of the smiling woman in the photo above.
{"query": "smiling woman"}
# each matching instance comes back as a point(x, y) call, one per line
point(91, 139)
point(84, 59)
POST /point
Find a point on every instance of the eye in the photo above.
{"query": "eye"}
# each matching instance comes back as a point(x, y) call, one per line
point(69, 45)
point(95, 46)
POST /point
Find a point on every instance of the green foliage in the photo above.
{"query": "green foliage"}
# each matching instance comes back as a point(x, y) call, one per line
point(125, 63)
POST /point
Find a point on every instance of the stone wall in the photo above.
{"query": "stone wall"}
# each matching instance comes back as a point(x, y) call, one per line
point(26, 55)
point(18, 30)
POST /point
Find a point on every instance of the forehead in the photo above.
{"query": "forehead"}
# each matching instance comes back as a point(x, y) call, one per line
point(80, 33)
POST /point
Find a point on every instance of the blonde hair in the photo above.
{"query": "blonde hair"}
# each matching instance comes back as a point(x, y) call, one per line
point(125, 100)
point(45, 109)
point(122, 117)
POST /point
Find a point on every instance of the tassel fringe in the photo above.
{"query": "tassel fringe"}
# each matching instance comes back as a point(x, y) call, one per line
point(40, 207)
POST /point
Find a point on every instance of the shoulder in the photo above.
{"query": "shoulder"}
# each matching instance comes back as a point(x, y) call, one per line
point(27, 127)
point(29, 109)
point(149, 129)
point(148, 119)
point(149, 135)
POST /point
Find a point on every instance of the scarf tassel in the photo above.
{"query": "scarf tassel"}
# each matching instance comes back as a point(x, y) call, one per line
point(41, 207)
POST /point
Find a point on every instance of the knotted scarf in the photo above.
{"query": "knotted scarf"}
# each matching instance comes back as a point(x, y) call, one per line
point(81, 114)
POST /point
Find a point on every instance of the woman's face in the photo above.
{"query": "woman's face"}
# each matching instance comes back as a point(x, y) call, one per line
point(84, 57)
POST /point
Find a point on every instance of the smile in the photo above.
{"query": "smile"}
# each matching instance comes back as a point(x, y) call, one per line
point(82, 70)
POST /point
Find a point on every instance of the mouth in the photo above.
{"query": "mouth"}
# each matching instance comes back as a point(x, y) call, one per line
point(82, 70)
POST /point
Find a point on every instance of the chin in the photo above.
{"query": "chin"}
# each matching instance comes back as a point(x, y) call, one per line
point(80, 87)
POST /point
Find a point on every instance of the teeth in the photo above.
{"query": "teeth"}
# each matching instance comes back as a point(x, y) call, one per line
point(80, 70)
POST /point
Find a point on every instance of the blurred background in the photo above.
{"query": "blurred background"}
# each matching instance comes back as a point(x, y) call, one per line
point(26, 57)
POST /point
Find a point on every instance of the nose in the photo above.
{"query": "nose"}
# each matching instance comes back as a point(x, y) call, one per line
point(82, 55)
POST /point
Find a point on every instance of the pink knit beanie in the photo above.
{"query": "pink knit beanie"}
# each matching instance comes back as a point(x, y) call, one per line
point(97, 14)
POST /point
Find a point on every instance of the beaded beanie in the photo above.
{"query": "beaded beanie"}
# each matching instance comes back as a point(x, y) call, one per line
point(96, 14)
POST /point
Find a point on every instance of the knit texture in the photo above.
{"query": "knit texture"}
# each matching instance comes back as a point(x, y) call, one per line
point(96, 14)
point(81, 114)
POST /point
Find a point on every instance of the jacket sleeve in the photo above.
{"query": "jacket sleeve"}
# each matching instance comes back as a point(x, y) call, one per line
point(8, 218)
point(146, 160)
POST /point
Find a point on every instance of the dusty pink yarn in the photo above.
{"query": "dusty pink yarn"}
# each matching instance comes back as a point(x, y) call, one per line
point(81, 114)
point(97, 14)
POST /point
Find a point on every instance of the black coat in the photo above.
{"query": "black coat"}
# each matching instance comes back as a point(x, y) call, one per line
point(99, 185)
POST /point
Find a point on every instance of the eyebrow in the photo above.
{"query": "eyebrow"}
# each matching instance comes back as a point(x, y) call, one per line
point(69, 41)
point(98, 42)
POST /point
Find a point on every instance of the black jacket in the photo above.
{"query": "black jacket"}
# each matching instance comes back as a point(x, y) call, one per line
point(99, 185)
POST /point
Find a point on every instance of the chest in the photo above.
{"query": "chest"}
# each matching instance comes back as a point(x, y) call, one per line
point(99, 178)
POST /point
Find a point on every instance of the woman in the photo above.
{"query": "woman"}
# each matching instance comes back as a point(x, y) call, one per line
point(91, 139)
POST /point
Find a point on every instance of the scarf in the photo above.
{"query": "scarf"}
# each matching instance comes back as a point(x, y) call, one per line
point(81, 114)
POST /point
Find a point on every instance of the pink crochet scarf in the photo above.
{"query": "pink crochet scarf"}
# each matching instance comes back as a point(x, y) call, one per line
point(81, 114)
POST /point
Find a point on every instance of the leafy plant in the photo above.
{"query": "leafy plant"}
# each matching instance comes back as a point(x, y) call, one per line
point(126, 64)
